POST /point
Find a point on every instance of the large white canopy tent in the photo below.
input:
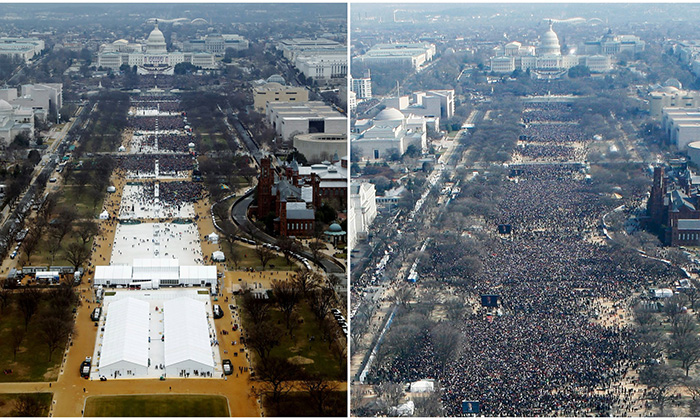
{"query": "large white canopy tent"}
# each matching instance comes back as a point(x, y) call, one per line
point(125, 345)
point(166, 270)
point(187, 342)
point(112, 275)
point(197, 275)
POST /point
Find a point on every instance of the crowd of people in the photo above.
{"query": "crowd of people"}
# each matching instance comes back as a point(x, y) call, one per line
point(546, 351)
point(160, 123)
point(171, 141)
point(548, 152)
point(154, 165)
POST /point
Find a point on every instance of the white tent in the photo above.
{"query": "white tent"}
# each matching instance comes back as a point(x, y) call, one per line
point(111, 189)
point(187, 343)
point(125, 345)
point(166, 270)
point(424, 385)
point(218, 256)
point(197, 275)
point(214, 238)
point(112, 275)
point(104, 215)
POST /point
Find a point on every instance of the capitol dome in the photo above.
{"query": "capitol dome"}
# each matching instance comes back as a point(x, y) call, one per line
point(549, 45)
point(389, 114)
point(156, 41)
point(5, 106)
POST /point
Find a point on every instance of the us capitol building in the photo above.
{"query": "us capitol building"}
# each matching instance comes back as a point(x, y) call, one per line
point(153, 58)
point(546, 60)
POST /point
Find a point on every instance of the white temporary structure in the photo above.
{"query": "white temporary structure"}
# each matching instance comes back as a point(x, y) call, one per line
point(187, 343)
point(424, 385)
point(125, 345)
point(214, 238)
point(104, 215)
point(165, 270)
point(112, 275)
point(218, 256)
point(111, 189)
point(197, 275)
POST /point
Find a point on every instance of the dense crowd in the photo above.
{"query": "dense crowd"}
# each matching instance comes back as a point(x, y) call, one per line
point(172, 141)
point(554, 133)
point(150, 166)
point(549, 112)
point(161, 123)
point(548, 152)
point(544, 353)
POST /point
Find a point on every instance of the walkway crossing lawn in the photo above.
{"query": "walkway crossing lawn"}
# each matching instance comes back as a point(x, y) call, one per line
point(157, 406)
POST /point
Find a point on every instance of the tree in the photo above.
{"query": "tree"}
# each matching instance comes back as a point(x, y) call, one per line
point(428, 405)
point(447, 341)
point(390, 394)
point(77, 254)
point(258, 309)
point(29, 244)
point(28, 303)
point(683, 324)
point(287, 296)
point(264, 253)
point(5, 294)
point(306, 280)
point(55, 331)
point(263, 337)
point(278, 375)
point(693, 295)
point(64, 222)
point(17, 336)
point(28, 405)
point(288, 246)
point(660, 379)
point(87, 229)
point(686, 349)
point(321, 301)
point(319, 390)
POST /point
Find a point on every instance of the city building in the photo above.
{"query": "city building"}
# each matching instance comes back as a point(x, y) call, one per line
point(671, 95)
point(153, 58)
point(42, 99)
point(292, 118)
point(673, 207)
point(612, 44)
point(681, 125)
point(321, 60)
point(389, 132)
point(292, 201)
point(362, 210)
point(544, 61)
point(318, 147)
point(216, 43)
point(24, 48)
point(362, 87)
point(276, 92)
point(352, 101)
point(14, 121)
point(431, 103)
point(413, 55)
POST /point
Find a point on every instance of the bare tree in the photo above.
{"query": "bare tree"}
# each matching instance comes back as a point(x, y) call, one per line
point(389, 393)
point(258, 309)
point(30, 243)
point(77, 254)
point(306, 280)
point(428, 405)
point(660, 379)
point(87, 229)
point(446, 341)
point(55, 332)
point(264, 253)
point(5, 294)
point(320, 390)
point(287, 296)
point(28, 303)
point(686, 349)
point(263, 337)
point(321, 301)
point(17, 336)
point(279, 375)
point(288, 246)
point(64, 222)
point(28, 405)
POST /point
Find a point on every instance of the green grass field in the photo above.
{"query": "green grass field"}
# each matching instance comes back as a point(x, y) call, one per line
point(157, 406)
point(250, 259)
point(32, 363)
point(8, 407)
